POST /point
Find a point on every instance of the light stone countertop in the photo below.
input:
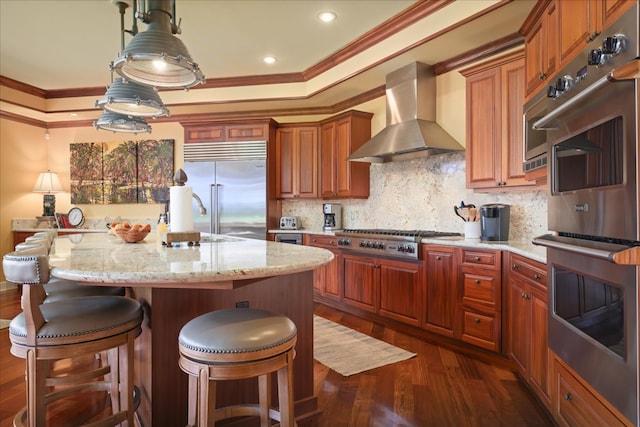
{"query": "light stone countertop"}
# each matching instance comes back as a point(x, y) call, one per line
point(520, 247)
point(215, 263)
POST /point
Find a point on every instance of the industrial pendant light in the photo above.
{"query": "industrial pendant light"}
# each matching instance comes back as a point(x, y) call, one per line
point(156, 57)
point(132, 99)
point(120, 123)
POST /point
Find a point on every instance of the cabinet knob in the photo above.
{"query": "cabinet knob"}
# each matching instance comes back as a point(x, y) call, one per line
point(477, 281)
point(567, 396)
point(592, 36)
point(522, 294)
point(537, 276)
point(476, 320)
point(542, 76)
point(438, 257)
point(477, 258)
point(516, 266)
point(314, 240)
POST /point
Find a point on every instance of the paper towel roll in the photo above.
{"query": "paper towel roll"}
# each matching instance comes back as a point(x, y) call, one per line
point(180, 211)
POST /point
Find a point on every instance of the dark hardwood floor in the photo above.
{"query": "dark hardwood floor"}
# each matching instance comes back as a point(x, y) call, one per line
point(439, 387)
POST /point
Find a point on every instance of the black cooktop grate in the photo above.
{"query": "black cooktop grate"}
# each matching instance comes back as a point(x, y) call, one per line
point(400, 233)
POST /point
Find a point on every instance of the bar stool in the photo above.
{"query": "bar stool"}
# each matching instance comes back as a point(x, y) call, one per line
point(45, 333)
point(236, 344)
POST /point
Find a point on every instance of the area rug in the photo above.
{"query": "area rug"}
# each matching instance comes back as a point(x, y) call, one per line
point(4, 323)
point(350, 352)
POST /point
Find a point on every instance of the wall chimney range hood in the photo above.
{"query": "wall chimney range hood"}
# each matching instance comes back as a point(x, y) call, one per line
point(411, 130)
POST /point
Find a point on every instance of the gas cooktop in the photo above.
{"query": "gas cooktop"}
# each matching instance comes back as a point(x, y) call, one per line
point(387, 242)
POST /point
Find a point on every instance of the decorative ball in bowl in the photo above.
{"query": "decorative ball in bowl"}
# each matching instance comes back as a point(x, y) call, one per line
point(131, 233)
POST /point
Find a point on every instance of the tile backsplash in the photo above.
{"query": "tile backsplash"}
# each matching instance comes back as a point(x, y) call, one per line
point(420, 194)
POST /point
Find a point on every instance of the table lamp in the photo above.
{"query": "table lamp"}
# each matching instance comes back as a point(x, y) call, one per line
point(48, 183)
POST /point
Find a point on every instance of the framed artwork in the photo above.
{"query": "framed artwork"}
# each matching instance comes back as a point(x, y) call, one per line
point(121, 172)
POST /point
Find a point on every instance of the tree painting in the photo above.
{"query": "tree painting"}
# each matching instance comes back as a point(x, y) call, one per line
point(121, 172)
point(86, 173)
point(155, 170)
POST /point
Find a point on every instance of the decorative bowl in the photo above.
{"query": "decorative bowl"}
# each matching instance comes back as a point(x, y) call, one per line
point(131, 234)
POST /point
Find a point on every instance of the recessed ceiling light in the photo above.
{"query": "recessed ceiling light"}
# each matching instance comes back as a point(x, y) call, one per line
point(270, 59)
point(327, 16)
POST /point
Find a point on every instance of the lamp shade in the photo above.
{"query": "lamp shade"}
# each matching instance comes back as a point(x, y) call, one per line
point(48, 182)
point(132, 99)
point(121, 123)
point(156, 57)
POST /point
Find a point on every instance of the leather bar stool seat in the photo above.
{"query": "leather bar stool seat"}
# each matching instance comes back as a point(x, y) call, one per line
point(45, 333)
point(237, 344)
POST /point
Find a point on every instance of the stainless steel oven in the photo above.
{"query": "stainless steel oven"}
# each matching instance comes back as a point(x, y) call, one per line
point(591, 127)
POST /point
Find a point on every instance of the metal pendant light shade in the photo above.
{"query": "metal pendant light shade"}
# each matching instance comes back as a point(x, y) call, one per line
point(132, 99)
point(120, 123)
point(156, 57)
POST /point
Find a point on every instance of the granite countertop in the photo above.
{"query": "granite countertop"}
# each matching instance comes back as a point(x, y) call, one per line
point(521, 247)
point(105, 258)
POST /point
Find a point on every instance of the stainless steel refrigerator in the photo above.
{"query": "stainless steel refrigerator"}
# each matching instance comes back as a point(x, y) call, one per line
point(234, 192)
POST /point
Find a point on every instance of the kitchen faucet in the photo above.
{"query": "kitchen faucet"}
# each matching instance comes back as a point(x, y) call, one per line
point(165, 215)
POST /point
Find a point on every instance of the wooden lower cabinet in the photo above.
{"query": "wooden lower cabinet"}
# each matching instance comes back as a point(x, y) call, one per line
point(387, 287)
point(479, 275)
point(575, 404)
point(528, 337)
point(327, 280)
point(441, 292)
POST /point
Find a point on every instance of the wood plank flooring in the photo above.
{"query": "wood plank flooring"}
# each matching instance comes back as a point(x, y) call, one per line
point(437, 388)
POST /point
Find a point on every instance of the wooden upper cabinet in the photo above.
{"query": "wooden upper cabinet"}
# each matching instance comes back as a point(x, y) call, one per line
point(297, 162)
point(541, 49)
point(230, 132)
point(341, 136)
point(580, 23)
point(495, 95)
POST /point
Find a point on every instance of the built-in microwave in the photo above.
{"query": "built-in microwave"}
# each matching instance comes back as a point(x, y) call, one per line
point(534, 140)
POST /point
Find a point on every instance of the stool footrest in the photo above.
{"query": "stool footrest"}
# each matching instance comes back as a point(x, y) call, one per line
point(244, 411)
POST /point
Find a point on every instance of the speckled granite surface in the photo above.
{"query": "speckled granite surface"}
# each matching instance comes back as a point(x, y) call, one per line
point(420, 194)
point(105, 258)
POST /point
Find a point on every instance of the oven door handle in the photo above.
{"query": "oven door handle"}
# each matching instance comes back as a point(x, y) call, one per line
point(629, 71)
point(617, 254)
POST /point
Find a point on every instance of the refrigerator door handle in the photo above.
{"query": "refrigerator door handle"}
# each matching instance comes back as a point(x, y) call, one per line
point(214, 227)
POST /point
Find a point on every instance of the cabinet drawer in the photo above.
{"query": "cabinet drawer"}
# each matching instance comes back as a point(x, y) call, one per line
point(480, 329)
point(320, 240)
point(480, 258)
point(528, 270)
point(482, 288)
point(575, 405)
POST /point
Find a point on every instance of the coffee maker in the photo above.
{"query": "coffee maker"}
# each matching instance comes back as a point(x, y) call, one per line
point(332, 216)
point(494, 222)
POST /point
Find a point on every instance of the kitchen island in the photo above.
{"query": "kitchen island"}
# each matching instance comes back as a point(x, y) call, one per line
point(176, 284)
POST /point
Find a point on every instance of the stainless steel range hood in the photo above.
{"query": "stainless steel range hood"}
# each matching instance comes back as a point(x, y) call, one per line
point(411, 130)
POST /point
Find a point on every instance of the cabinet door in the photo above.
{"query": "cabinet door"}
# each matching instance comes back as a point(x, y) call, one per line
point(332, 282)
point(361, 286)
point(519, 325)
point(400, 290)
point(328, 163)
point(580, 22)
point(286, 158)
point(541, 47)
point(441, 291)
point(307, 162)
point(539, 362)
point(343, 150)
point(484, 124)
point(512, 100)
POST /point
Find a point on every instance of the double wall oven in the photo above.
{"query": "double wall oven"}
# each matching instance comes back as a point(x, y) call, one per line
point(591, 129)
